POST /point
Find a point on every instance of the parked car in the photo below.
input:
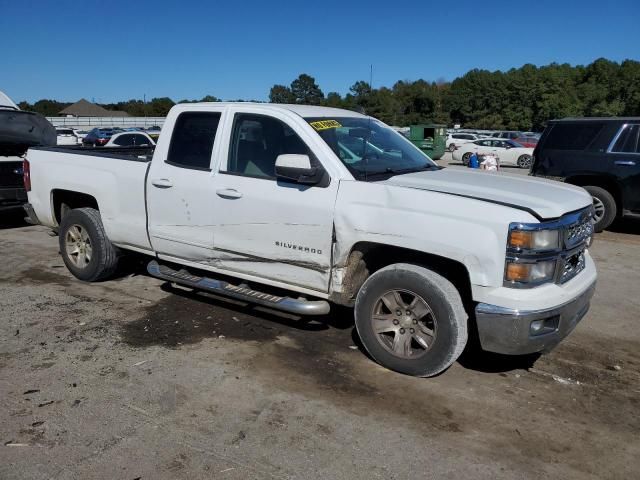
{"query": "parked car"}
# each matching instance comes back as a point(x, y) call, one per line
point(18, 131)
point(508, 135)
point(529, 142)
point(257, 202)
point(454, 140)
point(80, 134)
point(131, 139)
point(153, 132)
point(509, 152)
point(601, 155)
point(66, 136)
point(98, 137)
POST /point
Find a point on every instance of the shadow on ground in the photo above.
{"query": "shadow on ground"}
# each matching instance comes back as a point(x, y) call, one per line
point(12, 218)
point(626, 225)
point(188, 317)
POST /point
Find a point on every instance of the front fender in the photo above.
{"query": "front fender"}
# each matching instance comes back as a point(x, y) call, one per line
point(471, 232)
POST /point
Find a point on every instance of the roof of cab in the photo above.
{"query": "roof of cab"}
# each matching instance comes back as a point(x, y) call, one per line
point(306, 111)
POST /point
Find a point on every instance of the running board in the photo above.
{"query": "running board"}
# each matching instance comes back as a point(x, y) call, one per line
point(286, 304)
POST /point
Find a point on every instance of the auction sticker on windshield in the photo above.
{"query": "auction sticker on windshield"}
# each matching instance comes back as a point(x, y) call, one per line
point(325, 125)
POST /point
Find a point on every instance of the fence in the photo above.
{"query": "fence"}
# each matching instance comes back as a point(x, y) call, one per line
point(87, 123)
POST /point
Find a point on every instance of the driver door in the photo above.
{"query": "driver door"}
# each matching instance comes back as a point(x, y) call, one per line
point(267, 227)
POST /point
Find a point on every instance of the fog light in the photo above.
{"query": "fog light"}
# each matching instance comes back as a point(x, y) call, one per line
point(544, 325)
point(536, 327)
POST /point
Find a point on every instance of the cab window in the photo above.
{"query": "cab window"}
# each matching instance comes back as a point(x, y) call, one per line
point(256, 142)
point(192, 140)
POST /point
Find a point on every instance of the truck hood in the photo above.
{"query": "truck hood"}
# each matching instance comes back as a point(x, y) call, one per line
point(546, 199)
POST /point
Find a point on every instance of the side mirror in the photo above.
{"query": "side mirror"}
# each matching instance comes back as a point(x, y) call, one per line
point(297, 168)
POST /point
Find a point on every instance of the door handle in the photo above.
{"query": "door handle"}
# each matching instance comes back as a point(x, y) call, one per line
point(228, 193)
point(162, 183)
point(626, 163)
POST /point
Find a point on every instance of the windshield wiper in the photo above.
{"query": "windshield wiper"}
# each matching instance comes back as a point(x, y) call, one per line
point(389, 172)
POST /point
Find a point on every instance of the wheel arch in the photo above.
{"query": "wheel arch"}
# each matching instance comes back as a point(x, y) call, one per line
point(367, 257)
point(603, 181)
point(65, 200)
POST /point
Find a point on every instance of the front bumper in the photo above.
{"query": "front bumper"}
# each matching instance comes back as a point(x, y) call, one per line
point(509, 331)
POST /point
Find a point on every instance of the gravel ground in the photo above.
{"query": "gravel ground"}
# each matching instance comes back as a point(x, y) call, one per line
point(133, 379)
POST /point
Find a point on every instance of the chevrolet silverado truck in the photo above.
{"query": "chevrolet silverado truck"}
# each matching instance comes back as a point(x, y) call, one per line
point(299, 207)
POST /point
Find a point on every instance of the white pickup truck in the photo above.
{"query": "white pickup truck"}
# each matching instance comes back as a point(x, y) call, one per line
point(296, 207)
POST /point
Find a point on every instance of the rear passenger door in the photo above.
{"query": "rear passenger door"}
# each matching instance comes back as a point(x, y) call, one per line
point(266, 227)
point(180, 187)
point(625, 153)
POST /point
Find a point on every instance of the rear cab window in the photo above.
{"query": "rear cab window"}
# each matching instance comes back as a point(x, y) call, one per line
point(192, 140)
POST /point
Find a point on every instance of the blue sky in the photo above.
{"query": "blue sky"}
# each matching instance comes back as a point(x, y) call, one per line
point(117, 50)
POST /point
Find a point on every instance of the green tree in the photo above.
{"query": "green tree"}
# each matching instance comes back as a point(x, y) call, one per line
point(306, 91)
point(49, 108)
point(281, 94)
point(333, 100)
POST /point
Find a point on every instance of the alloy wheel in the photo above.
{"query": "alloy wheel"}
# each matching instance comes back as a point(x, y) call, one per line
point(78, 246)
point(404, 323)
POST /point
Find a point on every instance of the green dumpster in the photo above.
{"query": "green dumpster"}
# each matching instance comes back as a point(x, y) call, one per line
point(430, 138)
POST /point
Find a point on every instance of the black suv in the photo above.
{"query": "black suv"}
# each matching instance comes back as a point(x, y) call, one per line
point(600, 154)
point(12, 192)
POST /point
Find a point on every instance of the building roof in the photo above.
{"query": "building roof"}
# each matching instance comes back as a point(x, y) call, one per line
point(84, 108)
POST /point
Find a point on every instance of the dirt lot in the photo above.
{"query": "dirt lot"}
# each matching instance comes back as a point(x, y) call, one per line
point(130, 379)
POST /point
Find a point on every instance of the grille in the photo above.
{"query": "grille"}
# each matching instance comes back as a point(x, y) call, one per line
point(572, 266)
point(578, 233)
point(11, 174)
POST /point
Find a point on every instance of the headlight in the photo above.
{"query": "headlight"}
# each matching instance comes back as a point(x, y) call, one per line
point(530, 273)
point(534, 239)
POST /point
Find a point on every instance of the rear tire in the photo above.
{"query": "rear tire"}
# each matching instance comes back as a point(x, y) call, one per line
point(85, 247)
point(465, 159)
point(604, 205)
point(524, 161)
point(411, 320)
point(452, 147)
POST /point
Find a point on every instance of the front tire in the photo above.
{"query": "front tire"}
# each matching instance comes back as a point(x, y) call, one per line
point(604, 205)
point(411, 320)
point(85, 248)
point(452, 147)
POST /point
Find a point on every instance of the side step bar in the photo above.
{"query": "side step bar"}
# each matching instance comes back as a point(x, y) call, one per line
point(286, 304)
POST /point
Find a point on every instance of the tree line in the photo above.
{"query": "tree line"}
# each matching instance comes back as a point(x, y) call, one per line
point(519, 99)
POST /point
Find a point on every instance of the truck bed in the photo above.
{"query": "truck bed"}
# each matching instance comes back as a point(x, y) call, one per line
point(136, 154)
point(113, 177)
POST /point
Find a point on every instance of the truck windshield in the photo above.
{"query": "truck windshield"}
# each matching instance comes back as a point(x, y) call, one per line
point(369, 148)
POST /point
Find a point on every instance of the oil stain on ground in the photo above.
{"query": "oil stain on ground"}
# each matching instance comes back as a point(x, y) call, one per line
point(40, 276)
point(187, 317)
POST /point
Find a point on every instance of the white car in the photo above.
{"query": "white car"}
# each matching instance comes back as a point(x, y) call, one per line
point(80, 134)
point(66, 136)
point(507, 151)
point(455, 140)
point(131, 139)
